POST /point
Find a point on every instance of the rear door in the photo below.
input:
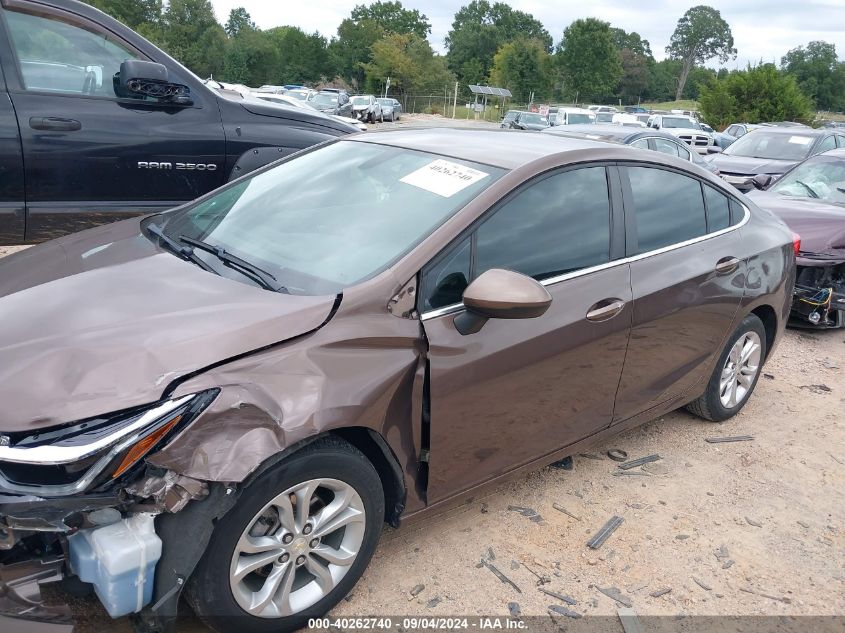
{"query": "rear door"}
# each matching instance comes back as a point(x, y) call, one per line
point(687, 283)
point(520, 389)
point(11, 173)
point(91, 156)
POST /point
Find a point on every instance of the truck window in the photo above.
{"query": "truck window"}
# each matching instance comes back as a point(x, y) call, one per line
point(56, 56)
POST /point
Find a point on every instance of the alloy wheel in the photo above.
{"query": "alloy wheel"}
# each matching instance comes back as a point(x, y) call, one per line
point(740, 370)
point(297, 548)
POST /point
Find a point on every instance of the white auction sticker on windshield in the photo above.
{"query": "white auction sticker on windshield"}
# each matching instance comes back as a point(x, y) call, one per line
point(800, 140)
point(443, 177)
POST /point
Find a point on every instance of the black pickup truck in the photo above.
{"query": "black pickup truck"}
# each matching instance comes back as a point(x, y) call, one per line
point(97, 124)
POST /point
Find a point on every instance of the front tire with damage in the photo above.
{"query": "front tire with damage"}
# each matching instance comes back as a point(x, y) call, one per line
point(299, 538)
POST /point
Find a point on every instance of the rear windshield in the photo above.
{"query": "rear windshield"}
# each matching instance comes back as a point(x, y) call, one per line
point(325, 99)
point(771, 145)
point(676, 121)
point(574, 118)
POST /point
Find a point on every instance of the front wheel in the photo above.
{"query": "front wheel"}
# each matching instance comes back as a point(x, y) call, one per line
point(736, 373)
point(294, 545)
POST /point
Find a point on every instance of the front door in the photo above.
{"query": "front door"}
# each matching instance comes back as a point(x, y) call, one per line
point(687, 282)
point(90, 155)
point(11, 173)
point(520, 389)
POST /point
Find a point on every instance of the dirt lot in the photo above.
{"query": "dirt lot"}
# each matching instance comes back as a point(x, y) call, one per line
point(744, 528)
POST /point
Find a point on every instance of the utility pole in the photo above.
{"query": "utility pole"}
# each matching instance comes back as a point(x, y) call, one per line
point(455, 102)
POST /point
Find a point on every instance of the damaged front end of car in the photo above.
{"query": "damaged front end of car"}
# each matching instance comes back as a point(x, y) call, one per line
point(81, 503)
point(819, 299)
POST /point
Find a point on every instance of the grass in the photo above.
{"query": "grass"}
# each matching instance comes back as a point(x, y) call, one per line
point(684, 104)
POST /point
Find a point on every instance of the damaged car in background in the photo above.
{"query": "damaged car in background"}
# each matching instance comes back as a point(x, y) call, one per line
point(230, 398)
point(811, 200)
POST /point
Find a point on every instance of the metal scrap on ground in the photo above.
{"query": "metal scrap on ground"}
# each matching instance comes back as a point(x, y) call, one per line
point(614, 594)
point(735, 438)
point(602, 535)
point(765, 595)
point(617, 455)
point(569, 613)
point(639, 462)
point(560, 508)
point(660, 592)
point(560, 596)
point(629, 620)
point(500, 575)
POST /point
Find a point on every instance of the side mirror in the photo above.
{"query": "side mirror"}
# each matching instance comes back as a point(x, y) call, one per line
point(761, 181)
point(501, 294)
point(714, 149)
point(149, 79)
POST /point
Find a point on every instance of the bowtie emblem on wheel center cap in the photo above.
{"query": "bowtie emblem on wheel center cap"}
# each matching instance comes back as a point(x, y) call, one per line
point(299, 545)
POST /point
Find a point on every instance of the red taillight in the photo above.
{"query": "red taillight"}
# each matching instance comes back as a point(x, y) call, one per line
point(796, 243)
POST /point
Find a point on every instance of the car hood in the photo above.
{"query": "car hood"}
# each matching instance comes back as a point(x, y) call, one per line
point(104, 320)
point(535, 126)
point(291, 113)
point(751, 166)
point(361, 106)
point(821, 225)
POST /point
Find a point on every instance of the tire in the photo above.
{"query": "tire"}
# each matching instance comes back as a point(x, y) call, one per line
point(218, 598)
point(712, 405)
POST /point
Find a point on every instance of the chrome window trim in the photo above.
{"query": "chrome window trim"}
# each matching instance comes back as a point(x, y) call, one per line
point(457, 307)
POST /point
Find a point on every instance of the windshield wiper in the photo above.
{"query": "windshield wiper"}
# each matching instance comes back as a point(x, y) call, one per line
point(259, 275)
point(183, 252)
point(809, 189)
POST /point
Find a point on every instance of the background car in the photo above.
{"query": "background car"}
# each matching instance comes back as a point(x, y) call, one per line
point(685, 128)
point(772, 151)
point(388, 108)
point(303, 94)
point(521, 120)
point(662, 142)
point(810, 198)
point(574, 116)
point(604, 117)
point(367, 108)
point(308, 105)
point(626, 119)
point(333, 102)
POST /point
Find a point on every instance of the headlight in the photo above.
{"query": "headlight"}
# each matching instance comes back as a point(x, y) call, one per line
point(71, 459)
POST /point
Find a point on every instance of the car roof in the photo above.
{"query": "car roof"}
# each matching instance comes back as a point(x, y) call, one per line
point(616, 133)
point(789, 130)
point(507, 149)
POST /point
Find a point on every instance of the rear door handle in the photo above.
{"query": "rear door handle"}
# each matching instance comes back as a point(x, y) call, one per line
point(605, 309)
point(727, 265)
point(54, 124)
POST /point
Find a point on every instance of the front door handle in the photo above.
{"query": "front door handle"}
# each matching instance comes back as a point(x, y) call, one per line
point(727, 265)
point(54, 124)
point(605, 309)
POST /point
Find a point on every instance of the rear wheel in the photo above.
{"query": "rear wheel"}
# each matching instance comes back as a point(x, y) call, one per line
point(299, 538)
point(736, 373)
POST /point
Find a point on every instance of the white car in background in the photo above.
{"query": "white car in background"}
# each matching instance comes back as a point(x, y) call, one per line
point(626, 119)
point(574, 116)
point(685, 128)
point(300, 103)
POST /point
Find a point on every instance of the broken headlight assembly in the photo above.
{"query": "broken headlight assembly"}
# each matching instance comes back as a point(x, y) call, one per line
point(93, 453)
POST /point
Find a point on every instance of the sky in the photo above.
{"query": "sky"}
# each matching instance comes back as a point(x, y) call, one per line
point(762, 29)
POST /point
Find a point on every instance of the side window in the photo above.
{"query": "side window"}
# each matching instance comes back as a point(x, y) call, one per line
point(666, 147)
point(684, 153)
point(60, 57)
point(668, 207)
point(827, 143)
point(555, 226)
point(642, 143)
point(840, 140)
point(737, 212)
point(718, 210)
point(444, 281)
point(740, 131)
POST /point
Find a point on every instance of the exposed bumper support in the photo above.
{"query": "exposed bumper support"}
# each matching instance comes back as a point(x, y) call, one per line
point(22, 607)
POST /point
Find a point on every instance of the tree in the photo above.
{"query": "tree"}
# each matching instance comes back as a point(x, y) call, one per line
point(351, 50)
point(524, 67)
point(393, 18)
point(303, 58)
point(759, 93)
point(637, 60)
point(632, 41)
point(133, 13)
point(589, 59)
point(410, 63)
point(820, 74)
point(480, 29)
point(239, 21)
point(251, 59)
point(701, 35)
point(189, 32)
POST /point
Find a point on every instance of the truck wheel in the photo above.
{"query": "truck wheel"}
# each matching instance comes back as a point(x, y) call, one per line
point(296, 542)
point(736, 373)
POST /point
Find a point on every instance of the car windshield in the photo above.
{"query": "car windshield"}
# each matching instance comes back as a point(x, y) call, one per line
point(604, 117)
point(771, 145)
point(822, 178)
point(360, 101)
point(325, 99)
point(533, 119)
point(304, 220)
point(302, 95)
point(574, 118)
point(386, 102)
point(677, 121)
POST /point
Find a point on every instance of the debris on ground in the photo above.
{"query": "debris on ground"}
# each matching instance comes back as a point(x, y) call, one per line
point(563, 464)
point(629, 620)
point(721, 553)
point(483, 508)
point(589, 455)
point(620, 473)
point(541, 580)
point(682, 537)
point(417, 590)
point(530, 513)
point(434, 602)
point(560, 596)
point(829, 364)
point(560, 508)
point(763, 594)
point(769, 376)
point(500, 575)
point(639, 462)
point(660, 592)
point(604, 533)
point(753, 522)
point(817, 388)
point(569, 613)
point(728, 563)
point(614, 594)
point(617, 455)
point(803, 524)
point(734, 438)
point(702, 584)
point(513, 608)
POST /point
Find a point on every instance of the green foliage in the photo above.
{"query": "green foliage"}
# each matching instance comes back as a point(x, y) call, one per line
point(410, 63)
point(393, 18)
point(480, 29)
point(637, 62)
point(133, 13)
point(757, 94)
point(701, 35)
point(239, 22)
point(523, 66)
point(589, 60)
point(302, 59)
point(631, 41)
point(819, 73)
point(352, 49)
